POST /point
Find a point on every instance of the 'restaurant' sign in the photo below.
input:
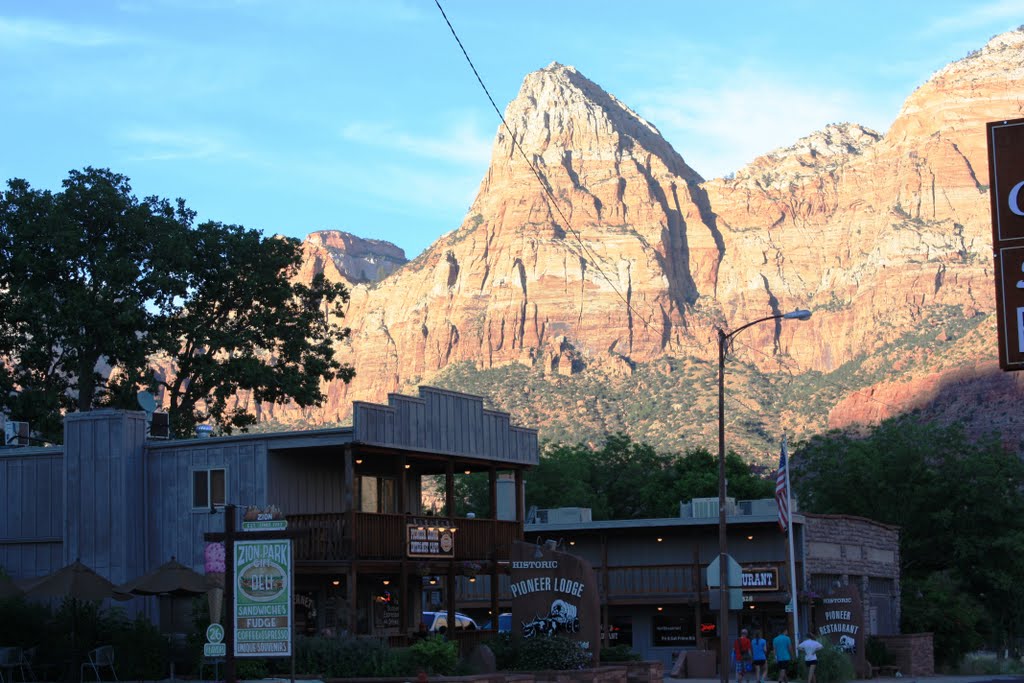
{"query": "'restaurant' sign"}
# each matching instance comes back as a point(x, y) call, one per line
point(761, 579)
point(1006, 174)
point(840, 617)
point(430, 537)
point(554, 593)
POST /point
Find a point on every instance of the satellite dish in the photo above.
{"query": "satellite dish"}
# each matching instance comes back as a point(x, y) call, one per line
point(146, 401)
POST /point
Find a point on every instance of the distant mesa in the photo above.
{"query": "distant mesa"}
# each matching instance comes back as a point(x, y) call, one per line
point(356, 260)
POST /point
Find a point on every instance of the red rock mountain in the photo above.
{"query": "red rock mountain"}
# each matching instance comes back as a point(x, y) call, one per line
point(621, 259)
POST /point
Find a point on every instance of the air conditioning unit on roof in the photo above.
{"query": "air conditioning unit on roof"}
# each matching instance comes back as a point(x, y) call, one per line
point(16, 433)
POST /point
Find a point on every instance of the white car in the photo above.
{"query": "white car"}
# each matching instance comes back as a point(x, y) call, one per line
point(437, 622)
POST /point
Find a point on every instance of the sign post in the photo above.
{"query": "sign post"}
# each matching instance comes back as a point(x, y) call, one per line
point(1006, 173)
point(260, 573)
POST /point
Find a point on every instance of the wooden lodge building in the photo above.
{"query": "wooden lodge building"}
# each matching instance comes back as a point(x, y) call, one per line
point(377, 542)
point(367, 544)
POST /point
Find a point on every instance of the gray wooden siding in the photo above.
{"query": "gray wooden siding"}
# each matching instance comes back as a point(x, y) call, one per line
point(303, 485)
point(445, 422)
point(103, 492)
point(174, 527)
point(31, 528)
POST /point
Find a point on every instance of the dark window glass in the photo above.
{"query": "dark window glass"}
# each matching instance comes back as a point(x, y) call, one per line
point(218, 485)
point(200, 489)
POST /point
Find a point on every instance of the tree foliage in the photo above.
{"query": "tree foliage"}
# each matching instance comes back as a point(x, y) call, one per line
point(627, 480)
point(957, 502)
point(94, 283)
point(245, 327)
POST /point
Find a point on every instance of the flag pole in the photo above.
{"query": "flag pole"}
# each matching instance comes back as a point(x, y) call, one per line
point(789, 545)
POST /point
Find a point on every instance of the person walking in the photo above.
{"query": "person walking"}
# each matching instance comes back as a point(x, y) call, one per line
point(810, 646)
point(743, 655)
point(782, 646)
point(759, 654)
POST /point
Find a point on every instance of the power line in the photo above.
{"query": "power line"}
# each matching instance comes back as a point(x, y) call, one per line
point(549, 196)
point(596, 260)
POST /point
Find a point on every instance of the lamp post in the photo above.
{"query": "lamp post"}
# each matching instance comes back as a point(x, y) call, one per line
point(723, 578)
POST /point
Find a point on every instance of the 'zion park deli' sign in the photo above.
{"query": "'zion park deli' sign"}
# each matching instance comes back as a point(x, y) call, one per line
point(840, 618)
point(1006, 174)
point(263, 598)
point(554, 593)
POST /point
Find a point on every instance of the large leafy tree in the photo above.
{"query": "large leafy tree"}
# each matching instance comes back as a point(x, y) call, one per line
point(78, 270)
point(957, 501)
point(246, 334)
point(94, 284)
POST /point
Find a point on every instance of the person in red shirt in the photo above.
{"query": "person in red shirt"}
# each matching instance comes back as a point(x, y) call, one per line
point(743, 654)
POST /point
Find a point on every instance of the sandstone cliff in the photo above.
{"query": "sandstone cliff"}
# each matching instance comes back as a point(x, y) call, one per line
point(593, 249)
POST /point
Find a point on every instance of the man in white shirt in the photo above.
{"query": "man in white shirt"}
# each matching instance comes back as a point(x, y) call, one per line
point(810, 647)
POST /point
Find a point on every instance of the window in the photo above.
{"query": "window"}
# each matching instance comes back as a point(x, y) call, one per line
point(376, 494)
point(208, 488)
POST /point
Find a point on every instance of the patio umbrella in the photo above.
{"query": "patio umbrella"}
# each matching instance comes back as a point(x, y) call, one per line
point(171, 578)
point(75, 581)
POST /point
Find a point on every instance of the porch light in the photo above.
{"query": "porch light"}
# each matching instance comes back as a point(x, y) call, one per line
point(572, 542)
point(660, 608)
point(359, 461)
point(407, 466)
point(335, 582)
point(659, 539)
point(750, 538)
point(472, 579)
point(386, 582)
point(466, 472)
point(433, 581)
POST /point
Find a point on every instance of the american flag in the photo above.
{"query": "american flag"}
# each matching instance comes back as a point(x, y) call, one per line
point(781, 484)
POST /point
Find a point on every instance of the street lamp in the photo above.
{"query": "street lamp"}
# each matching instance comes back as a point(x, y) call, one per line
point(723, 578)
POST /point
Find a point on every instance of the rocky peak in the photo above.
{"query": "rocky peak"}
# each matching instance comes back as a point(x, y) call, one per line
point(355, 260)
point(986, 80)
point(821, 151)
point(559, 111)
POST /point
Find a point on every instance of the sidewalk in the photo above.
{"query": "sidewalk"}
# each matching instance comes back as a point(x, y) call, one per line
point(880, 679)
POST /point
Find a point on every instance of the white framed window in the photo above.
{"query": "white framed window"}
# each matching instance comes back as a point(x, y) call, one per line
point(208, 488)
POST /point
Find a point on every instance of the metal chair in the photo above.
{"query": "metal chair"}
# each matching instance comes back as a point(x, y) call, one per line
point(100, 658)
point(11, 659)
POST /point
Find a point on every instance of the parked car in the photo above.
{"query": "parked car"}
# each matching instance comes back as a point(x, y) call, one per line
point(437, 622)
point(504, 623)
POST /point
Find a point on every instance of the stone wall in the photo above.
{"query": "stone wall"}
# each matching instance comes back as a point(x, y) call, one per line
point(844, 544)
point(912, 653)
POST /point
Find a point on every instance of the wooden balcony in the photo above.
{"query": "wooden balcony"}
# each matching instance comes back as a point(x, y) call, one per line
point(383, 537)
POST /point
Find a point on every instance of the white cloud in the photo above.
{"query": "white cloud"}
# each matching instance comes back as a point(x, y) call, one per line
point(19, 32)
point(157, 144)
point(720, 130)
point(464, 143)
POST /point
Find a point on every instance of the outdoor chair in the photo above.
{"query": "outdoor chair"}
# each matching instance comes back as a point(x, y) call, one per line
point(100, 658)
point(14, 658)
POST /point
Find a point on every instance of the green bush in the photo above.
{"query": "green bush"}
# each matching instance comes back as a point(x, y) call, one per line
point(142, 651)
point(834, 665)
point(877, 653)
point(556, 652)
point(619, 653)
point(505, 651)
point(435, 655)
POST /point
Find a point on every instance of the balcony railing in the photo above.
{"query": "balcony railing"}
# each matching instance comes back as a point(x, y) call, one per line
point(383, 537)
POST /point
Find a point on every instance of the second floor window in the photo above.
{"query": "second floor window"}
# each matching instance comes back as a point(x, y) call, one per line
point(208, 487)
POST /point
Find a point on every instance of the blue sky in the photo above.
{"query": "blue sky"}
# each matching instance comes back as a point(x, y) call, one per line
point(305, 115)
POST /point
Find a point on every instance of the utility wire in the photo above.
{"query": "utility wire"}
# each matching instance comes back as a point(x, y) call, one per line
point(553, 207)
point(549, 196)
